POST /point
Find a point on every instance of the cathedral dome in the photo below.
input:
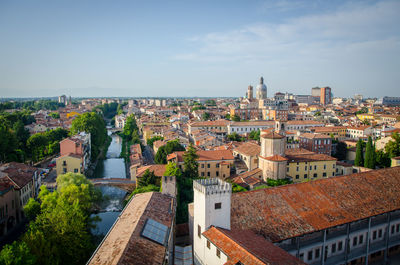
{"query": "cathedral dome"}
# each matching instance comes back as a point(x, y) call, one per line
point(261, 90)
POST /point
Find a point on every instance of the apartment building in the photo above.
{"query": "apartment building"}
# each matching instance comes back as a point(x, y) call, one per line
point(212, 163)
point(75, 154)
point(246, 127)
point(318, 143)
point(304, 165)
point(352, 219)
point(248, 152)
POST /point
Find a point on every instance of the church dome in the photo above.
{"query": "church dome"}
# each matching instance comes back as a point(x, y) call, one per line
point(261, 85)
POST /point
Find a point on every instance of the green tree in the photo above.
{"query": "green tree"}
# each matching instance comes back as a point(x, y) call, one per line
point(369, 155)
point(93, 123)
point(31, 209)
point(153, 139)
point(18, 253)
point(130, 127)
point(341, 149)
point(392, 148)
point(237, 188)
point(206, 116)
point(235, 137)
point(235, 118)
point(359, 161)
point(172, 170)
point(382, 159)
point(255, 135)
point(165, 150)
point(190, 163)
point(55, 115)
point(148, 178)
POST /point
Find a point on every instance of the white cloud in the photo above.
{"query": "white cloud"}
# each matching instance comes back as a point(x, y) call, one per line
point(327, 35)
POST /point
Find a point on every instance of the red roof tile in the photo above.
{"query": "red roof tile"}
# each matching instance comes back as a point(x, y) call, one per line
point(292, 210)
point(248, 247)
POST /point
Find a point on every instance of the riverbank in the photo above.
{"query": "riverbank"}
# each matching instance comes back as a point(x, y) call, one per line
point(101, 156)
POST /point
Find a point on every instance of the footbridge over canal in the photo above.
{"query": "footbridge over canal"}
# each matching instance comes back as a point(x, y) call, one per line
point(125, 184)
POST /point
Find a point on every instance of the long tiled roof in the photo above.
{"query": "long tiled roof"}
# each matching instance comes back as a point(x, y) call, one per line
point(309, 157)
point(124, 243)
point(208, 155)
point(248, 248)
point(292, 210)
point(249, 149)
point(157, 169)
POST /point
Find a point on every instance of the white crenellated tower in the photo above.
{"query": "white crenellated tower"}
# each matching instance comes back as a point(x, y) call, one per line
point(212, 207)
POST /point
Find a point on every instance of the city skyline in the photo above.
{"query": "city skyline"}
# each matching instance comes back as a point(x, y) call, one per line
point(131, 49)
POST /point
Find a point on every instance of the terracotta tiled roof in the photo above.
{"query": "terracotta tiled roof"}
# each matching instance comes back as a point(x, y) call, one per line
point(124, 244)
point(218, 123)
point(285, 212)
point(205, 155)
point(18, 174)
point(310, 157)
point(272, 135)
point(302, 122)
point(275, 158)
point(157, 169)
point(253, 123)
point(297, 151)
point(314, 136)
point(248, 248)
point(249, 149)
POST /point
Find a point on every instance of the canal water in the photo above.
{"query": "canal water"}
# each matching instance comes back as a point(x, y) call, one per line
point(111, 167)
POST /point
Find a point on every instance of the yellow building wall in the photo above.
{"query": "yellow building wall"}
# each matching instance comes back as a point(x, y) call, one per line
point(311, 168)
point(213, 169)
point(71, 163)
point(395, 162)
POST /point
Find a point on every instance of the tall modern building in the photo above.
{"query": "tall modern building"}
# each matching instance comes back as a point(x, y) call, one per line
point(316, 91)
point(261, 90)
point(326, 96)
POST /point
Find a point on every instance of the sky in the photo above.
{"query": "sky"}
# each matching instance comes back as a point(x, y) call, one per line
point(198, 48)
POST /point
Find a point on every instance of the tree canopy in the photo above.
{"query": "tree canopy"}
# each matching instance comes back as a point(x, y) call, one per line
point(93, 123)
point(359, 160)
point(165, 150)
point(60, 233)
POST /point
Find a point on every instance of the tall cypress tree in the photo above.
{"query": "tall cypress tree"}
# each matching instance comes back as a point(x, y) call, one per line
point(369, 155)
point(359, 161)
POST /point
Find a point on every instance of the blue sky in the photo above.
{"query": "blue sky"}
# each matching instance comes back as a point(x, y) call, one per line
point(198, 48)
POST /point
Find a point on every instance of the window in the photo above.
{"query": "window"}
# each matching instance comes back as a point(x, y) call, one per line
point(202, 174)
point(310, 167)
point(208, 174)
point(297, 168)
point(333, 248)
point(208, 165)
point(217, 165)
point(397, 228)
point(340, 246)
point(75, 170)
point(301, 256)
point(217, 173)
point(360, 239)
point(324, 174)
point(315, 167)
point(305, 168)
point(374, 235)
point(65, 170)
point(305, 176)
point(392, 232)
point(218, 253)
point(287, 169)
point(315, 175)
point(202, 165)
point(208, 244)
point(317, 253)
point(217, 205)
point(297, 176)
point(324, 166)
point(199, 231)
point(380, 233)
point(354, 241)
point(309, 256)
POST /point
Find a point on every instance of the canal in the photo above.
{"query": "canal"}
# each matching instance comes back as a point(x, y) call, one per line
point(111, 167)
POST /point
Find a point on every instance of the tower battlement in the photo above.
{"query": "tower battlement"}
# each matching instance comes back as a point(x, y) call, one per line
point(212, 186)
